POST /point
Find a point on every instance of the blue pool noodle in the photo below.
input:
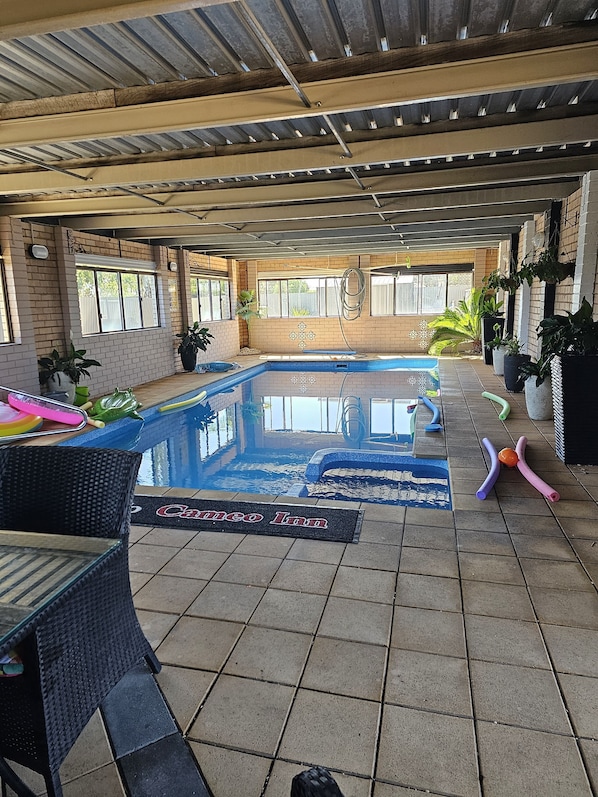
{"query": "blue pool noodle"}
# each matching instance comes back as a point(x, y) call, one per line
point(434, 425)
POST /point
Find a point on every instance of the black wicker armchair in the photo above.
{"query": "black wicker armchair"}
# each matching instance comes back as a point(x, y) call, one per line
point(82, 645)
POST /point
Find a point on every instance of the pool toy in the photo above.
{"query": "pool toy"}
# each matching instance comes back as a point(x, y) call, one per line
point(215, 366)
point(506, 407)
point(14, 422)
point(120, 404)
point(508, 457)
point(37, 408)
point(492, 476)
point(525, 470)
point(179, 405)
point(45, 408)
point(434, 425)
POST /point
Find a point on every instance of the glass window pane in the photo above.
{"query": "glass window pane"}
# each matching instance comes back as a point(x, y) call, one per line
point(225, 299)
point(110, 307)
point(194, 300)
point(132, 308)
point(382, 295)
point(88, 302)
point(303, 297)
point(433, 299)
point(205, 307)
point(149, 300)
point(459, 285)
point(4, 325)
point(216, 307)
point(406, 296)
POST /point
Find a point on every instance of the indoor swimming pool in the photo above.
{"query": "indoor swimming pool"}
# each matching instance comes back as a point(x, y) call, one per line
point(257, 431)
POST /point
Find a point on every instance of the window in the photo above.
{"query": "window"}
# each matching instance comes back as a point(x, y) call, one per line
point(301, 296)
point(5, 331)
point(113, 300)
point(218, 434)
point(413, 293)
point(301, 414)
point(210, 299)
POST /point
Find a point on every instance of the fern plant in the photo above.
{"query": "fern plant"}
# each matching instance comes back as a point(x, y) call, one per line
point(462, 324)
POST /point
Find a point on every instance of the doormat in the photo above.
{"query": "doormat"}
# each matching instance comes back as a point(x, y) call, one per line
point(244, 517)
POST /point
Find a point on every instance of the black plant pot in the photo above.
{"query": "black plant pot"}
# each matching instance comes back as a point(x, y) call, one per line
point(488, 333)
point(188, 358)
point(574, 391)
point(514, 382)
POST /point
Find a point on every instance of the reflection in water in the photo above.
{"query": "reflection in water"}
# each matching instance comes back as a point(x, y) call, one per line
point(259, 436)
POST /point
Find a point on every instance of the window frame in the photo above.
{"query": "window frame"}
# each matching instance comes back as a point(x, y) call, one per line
point(224, 298)
point(419, 274)
point(285, 307)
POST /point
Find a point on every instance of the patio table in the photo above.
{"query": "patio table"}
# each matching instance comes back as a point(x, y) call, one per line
point(67, 609)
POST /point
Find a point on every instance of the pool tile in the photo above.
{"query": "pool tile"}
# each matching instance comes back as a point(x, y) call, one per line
point(266, 654)
point(360, 621)
point(428, 751)
point(335, 731)
point(221, 600)
point(503, 640)
point(290, 611)
point(244, 714)
point(362, 584)
point(428, 592)
point(428, 631)
point(428, 681)
point(343, 667)
point(539, 763)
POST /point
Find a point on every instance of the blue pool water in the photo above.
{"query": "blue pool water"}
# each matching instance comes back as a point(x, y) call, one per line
point(263, 430)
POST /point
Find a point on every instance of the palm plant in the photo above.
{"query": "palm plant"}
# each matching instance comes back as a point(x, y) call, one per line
point(462, 324)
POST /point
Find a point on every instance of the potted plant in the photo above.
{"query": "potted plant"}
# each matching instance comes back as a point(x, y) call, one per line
point(547, 268)
point(491, 317)
point(538, 388)
point(192, 340)
point(571, 342)
point(245, 306)
point(60, 374)
point(463, 324)
point(514, 359)
point(498, 347)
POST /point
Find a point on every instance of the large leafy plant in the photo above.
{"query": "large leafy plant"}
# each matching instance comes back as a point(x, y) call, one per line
point(547, 267)
point(194, 338)
point(74, 364)
point(573, 333)
point(462, 324)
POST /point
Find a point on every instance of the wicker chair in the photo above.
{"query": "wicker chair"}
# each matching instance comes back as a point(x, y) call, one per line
point(90, 636)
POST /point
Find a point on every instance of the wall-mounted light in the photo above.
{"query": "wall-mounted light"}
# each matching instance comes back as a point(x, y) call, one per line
point(39, 252)
point(173, 265)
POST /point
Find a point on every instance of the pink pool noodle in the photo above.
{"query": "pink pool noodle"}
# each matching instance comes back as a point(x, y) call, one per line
point(494, 470)
point(525, 470)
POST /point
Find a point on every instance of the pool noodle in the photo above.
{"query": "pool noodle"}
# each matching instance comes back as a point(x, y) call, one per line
point(506, 407)
point(525, 470)
point(46, 408)
point(492, 476)
point(433, 426)
point(182, 404)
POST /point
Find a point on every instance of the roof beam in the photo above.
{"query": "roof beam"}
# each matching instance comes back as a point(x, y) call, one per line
point(32, 18)
point(480, 140)
point(569, 64)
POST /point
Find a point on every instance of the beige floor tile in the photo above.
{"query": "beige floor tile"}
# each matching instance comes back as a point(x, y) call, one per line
point(176, 538)
point(486, 542)
point(290, 611)
point(428, 631)
point(149, 558)
point(429, 537)
point(589, 749)
point(315, 577)
point(315, 551)
point(386, 512)
point(490, 568)
point(216, 541)
point(428, 751)
point(90, 751)
point(387, 790)
point(256, 570)
point(265, 545)
point(225, 770)
point(555, 575)
point(429, 562)
point(243, 713)
point(586, 550)
point(576, 509)
point(583, 528)
point(429, 517)
point(428, 681)
point(193, 563)
point(362, 584)
point(184, 689)
point(361, 621)
point(543, 547)
point(266, 654)
point(335, 731)
point(428, 592)
point(581, 696)
point(138, 580)
point(479, 521)
point(199, 643)
point(225, 601)
point(283, 773)
point(99, 783)
point(535, 526)
point(517, 762)
point(381, 532)
point(566, 607)
point(346, 668)
point(506, 641)
point(573, 650)
point(155, 625)
point(379, 557)
point(169, 593)
point(518, 696)
point(497, 600)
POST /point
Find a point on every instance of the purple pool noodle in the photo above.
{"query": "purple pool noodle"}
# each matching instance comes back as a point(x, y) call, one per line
point(488, 483)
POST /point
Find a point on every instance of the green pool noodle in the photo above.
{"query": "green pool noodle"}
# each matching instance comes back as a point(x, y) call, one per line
point(506, 407)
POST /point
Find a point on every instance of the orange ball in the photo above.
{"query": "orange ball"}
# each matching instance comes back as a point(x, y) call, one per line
point(508, 457)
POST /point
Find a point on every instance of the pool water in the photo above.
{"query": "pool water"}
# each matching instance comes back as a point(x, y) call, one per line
point(258, 430)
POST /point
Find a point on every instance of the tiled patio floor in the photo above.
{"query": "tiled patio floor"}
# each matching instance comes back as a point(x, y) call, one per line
point(451, 653)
